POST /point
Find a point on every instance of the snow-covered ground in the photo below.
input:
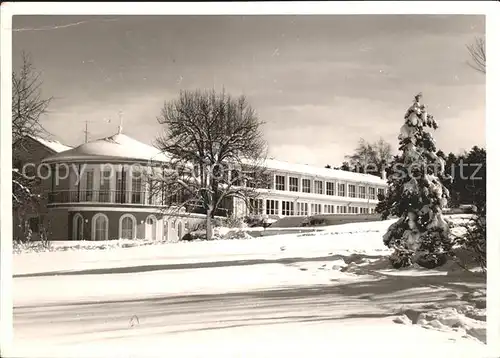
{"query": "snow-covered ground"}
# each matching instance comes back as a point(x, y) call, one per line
point(329, 293)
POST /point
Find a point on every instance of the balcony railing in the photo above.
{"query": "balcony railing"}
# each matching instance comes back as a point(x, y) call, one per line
point(121, 197)
point(103, 196)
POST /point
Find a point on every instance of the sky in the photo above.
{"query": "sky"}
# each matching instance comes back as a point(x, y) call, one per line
point(319, 82)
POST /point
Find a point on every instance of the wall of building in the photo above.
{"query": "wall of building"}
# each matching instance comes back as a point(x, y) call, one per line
point(29, 155)
point(169, 228)
point(57, 222)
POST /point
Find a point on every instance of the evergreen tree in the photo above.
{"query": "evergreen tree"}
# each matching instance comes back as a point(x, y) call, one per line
point(416, 195)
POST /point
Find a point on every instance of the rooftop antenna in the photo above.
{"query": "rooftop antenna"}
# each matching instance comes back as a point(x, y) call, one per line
point(86, 131)
point(120, 128)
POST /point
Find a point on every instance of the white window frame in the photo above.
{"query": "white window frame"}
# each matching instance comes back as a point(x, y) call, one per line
point(94, 222)
point(342, 190)
point(276, 184)
point(287, 208)
point(304, 187)
point(291, 186)
point(372, 193)
point(318, 189)
point(134, 225)
point(362, 192)
point(75, 234)
point(302, 209)
point(273, 209)
point(353, 193)
point(330, 188)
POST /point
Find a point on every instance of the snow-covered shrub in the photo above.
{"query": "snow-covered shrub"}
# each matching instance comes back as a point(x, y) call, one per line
point(260, 220)
point(234, 222)
point(27, 246)
point(237, 235)
point(473, 241)
point(417, 196)
point(194, 235)
point(219, 233)
point(314, 221)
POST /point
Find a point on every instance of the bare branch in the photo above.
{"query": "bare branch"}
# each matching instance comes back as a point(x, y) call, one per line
point(477, 52)
point(28, 107)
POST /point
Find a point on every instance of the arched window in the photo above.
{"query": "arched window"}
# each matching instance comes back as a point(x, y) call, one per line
point(100, 227)
point(127, 227)
point(77, 227)
point(151, 227)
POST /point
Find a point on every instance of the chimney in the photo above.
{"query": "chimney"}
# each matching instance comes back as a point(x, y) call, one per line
point(383, 175)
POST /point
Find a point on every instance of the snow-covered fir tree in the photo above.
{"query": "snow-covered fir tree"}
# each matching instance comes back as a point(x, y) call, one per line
point(416, 195)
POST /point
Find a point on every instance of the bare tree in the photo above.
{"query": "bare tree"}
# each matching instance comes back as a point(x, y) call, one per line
point(370, 157)
point(216, 152)
point(477, 52)
point(28, 106)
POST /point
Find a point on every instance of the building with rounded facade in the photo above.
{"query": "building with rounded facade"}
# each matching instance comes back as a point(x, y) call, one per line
point(102, 190)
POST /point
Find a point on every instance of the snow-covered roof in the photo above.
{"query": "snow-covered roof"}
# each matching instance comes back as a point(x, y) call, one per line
point(123, 147)
point(278, 165)
point(53, 145)
point(118, 146)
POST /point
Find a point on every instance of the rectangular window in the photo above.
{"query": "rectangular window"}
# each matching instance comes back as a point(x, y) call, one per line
point(372, 211)
point(330, 188)
point(329, 209)
point(316, 209)
point(341, 189)
point(104, 186)
point(302, 209)
point(371, 193)
point(120, 187)
point(287, 208)
point(318, 187)
point(306, 185)
point(236, 178)
point(352, 191)
point(362, 192)
point(272, 207)
point(251, 180)
point(89, 185)
point(280, 182)
point(293, 184)
point(266, 182)
point(381, 192)
point(136, 188)
point(255, 206)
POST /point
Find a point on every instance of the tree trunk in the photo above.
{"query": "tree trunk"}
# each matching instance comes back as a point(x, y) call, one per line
point(209, 224)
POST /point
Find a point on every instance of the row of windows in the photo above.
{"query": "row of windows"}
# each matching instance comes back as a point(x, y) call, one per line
point(127, 227)
point(293, 185)
point(289, 208)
